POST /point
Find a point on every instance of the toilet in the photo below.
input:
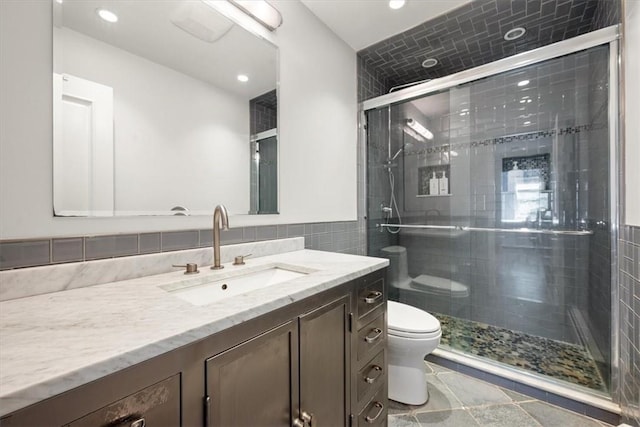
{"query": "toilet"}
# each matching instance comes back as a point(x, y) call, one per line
point(441, 295)
point(412, 334)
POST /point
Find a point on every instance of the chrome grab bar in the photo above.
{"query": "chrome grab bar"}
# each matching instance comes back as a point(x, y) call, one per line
point(491, 230)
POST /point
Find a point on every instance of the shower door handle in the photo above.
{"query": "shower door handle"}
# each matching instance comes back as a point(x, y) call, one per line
point(373, 297)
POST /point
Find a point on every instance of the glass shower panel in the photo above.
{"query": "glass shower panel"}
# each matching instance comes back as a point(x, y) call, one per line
point(501, 192)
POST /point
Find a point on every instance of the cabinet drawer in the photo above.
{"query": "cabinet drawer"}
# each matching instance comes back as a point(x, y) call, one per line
point(375, 412)
point(156, 405)
point(371, 375)
point(370, 297)
point(371, 337)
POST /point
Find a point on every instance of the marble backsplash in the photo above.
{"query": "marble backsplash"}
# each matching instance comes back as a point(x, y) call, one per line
point(20, 283)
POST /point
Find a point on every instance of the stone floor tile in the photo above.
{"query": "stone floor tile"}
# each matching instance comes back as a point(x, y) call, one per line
point(450, 418)
point(552, 416)
point(402, 421)
point(509, 415)
point(473, 392)
point(440, 396)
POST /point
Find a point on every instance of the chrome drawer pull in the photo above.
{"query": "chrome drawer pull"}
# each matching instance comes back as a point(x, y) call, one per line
point(373, 419)
point(377, 333)
point(373, 297)
point(375, 369)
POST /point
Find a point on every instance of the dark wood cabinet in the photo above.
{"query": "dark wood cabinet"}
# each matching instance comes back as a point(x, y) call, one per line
point(297, 371)
point(320, 361)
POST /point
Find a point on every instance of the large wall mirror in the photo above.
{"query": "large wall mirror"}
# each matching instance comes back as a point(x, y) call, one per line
point(161, 108)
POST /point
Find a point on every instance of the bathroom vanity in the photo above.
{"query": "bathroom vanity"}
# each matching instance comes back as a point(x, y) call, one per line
point(309, 351)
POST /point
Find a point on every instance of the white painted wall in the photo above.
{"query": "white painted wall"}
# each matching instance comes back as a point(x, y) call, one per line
point(632, 111)
point(318, 129)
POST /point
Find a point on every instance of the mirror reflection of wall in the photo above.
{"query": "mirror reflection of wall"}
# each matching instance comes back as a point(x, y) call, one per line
point(180, 126)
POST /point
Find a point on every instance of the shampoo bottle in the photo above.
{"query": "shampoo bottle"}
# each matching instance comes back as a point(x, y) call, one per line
point(443, 184)
point(433, 185)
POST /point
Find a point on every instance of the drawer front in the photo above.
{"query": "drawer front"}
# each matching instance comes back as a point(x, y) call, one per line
point(375, 412)
point(156, 405)
point(371, 337)
point(370, 297)
point(372, 375)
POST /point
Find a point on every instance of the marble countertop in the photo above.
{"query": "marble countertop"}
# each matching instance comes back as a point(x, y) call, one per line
point(54, 342)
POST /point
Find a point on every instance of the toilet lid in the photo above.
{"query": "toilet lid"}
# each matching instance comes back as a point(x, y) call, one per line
point(405, 318)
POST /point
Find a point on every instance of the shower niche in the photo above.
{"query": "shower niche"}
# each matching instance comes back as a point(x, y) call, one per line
point(434, 180)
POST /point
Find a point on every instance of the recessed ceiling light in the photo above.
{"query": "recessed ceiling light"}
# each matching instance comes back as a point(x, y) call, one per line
point(396, 4)
point(107, 15)
point(523, 83)
point(243, 78)
point(429, 62)
point(514, 33)
point(527, 122)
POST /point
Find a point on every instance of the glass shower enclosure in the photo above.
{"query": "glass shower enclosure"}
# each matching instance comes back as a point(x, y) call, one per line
point(494, 200)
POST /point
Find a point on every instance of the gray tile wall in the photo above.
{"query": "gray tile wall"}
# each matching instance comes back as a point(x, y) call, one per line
point(629, 287)
point(343, 237)
point(370, 81)
point(472, 35)
point(263, 112)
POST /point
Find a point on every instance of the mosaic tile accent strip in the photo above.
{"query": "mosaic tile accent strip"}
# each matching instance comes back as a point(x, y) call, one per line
point(528, 136)
point(556, 359)
point(472, 35)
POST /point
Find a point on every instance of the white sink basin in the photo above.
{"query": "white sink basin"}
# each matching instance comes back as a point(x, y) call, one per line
point(200, 291)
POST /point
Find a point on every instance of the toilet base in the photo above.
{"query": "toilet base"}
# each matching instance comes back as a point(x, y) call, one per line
point(408, 384)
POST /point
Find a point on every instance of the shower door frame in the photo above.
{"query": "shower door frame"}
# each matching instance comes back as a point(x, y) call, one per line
point(606, 36)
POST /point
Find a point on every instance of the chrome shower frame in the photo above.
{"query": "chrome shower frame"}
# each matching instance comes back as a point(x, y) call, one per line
point(606, 36)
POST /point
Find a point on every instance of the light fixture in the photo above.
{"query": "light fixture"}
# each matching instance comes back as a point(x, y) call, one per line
point(107, 15)
point(261, 11)
point(514, 33)
point(396, 4)
point(523, 83)
point(527, 122)
point(419, 129)
point(243, 78)
point(429, 62)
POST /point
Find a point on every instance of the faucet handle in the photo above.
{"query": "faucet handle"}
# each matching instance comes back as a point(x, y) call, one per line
point(239, 260)
point(190, 268)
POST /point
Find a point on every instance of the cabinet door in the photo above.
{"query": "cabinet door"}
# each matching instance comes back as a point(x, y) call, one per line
point(252, 384)
point(324, 364)
point(156, 405)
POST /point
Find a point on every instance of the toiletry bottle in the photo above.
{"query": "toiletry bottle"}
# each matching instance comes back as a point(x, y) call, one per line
point(443, 184)
point(433, 185)
point(514, 177)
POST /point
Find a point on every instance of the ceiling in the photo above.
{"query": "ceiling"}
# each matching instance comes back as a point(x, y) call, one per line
point(362, 23)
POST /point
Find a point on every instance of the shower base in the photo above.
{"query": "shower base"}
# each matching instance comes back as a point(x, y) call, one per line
point(555, 359)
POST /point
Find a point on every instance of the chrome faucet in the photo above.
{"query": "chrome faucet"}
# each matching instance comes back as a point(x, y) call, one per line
point(220, 221)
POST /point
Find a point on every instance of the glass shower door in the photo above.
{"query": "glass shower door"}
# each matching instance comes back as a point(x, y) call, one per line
point(501, 228)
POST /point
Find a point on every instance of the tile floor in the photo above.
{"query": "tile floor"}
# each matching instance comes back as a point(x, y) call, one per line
point(458, 400)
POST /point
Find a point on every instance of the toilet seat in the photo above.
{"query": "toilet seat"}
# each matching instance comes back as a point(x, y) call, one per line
point(440, 286)
point(406, 321)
